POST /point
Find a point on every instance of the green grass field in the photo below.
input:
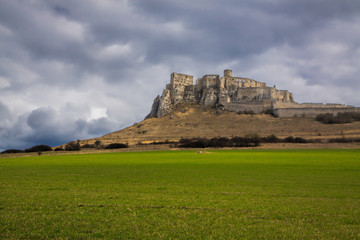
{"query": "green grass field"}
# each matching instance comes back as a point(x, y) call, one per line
point(243, 194)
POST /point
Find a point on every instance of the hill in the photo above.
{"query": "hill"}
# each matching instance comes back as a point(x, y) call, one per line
point(191, 120)
point(230, 106)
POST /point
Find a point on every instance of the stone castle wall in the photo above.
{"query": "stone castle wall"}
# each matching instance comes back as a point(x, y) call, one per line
point(178, 82)
point(311, 112)
point(251, 107)
point(236, 94)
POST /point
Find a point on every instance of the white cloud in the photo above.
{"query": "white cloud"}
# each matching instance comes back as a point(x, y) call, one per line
point(114, 51)
point(71, 30)
point(98, 112)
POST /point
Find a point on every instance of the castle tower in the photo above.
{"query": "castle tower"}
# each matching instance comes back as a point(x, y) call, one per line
point(227, 73)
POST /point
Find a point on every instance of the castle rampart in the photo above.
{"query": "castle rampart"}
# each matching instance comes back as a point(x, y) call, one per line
point(237, 94)
point(178, 79)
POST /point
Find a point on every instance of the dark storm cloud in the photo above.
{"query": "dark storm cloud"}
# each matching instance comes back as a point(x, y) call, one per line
point(230, 29)
point(79, 69)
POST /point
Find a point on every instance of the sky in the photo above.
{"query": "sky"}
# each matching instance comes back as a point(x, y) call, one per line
point(80, 69)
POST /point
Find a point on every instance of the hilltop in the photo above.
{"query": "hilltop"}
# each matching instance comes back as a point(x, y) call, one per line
point(237, 94)
point(226, 107)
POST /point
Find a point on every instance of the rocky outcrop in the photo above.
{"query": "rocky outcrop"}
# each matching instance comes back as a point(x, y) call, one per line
point(166, 103)
point(235, 94)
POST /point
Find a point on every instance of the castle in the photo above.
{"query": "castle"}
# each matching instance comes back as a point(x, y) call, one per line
point(237, 94)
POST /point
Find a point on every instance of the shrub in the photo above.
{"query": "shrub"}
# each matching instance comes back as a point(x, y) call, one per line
point(162, 142)
point(72, 146)
point(344, 117)
point(247, 141)
point(344, 140)
point(97, 143)
point(219, 142)
point(88, 146)
point(254, 139)
point(39, 148)
point(193, 143)
point(240, 142)
point(271, 139)
point(116, 145)
point(59, 149)
point(300, 140)
point(12, 151)
point(291, 139)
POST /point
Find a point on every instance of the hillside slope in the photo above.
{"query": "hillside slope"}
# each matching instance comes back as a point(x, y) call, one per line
point(189, 120)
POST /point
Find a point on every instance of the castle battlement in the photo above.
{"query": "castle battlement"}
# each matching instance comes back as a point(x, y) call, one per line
point(236, 94)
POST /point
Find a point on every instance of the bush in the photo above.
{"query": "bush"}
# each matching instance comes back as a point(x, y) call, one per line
point(247, 141)
point(300, 140)
point(194, 143)
point(88, 146)
point(39, 148)
point(219, 142)
point(291, 139)
point(72, 146)
point(271, 139)
point(59, 149)
point(344, 117)
point(12, 151)
point(97, 143)
point(116, 145)
point(344, 140)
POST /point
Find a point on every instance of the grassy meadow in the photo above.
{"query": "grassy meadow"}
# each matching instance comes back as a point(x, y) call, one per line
point(223, 194)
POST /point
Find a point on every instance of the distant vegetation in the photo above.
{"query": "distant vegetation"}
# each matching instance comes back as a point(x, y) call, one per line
point(252, 140)
point(73, 146)
point(344, 140)
point(345, 117)
point(116, 145)
point(247, 141)
point(12, 151)
point(98, 145)
point(39, 148)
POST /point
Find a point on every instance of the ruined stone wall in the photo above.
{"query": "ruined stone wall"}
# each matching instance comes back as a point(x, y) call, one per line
point(231, 82)
point(279, 104)
point(281, 95)
point(178, 82)
point(227, 73)
point(208, 81)
point(253, 94)
point(250, 107)
point(310, 112)
point(189, 94)
point(262, 93)
point(178, 79)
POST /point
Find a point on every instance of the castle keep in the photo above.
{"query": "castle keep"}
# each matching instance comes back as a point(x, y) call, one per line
point(236, 94)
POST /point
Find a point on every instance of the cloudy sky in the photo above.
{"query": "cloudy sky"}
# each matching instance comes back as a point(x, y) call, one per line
point(79, 69)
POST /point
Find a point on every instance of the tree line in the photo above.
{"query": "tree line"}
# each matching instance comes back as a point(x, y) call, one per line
point(71, 146)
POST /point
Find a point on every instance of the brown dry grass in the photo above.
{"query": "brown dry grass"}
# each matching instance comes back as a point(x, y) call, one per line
point(189, 121)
